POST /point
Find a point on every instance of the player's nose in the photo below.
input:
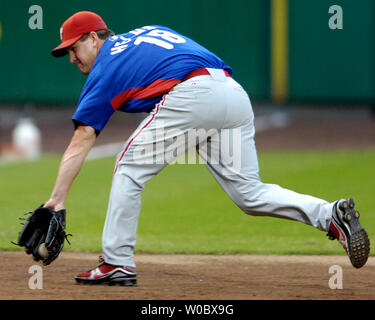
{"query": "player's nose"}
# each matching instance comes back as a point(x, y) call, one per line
point(72, 57)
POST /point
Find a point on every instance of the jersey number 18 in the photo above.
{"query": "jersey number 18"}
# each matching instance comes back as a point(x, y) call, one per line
point(168, 39)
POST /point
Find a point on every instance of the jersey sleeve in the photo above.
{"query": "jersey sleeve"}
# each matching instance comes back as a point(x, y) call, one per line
point(94, 107)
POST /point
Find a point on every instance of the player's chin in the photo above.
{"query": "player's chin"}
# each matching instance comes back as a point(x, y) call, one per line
point(83, 69)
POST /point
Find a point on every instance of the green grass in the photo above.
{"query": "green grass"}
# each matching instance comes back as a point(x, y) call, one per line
point(184, 209)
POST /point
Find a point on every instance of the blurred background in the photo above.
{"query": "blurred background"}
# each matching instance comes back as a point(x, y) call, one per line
point(308, 66)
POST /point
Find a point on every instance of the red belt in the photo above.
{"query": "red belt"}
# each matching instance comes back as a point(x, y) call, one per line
point(201, 72)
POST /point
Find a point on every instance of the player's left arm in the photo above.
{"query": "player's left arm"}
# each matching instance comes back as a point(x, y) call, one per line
point(71, 163)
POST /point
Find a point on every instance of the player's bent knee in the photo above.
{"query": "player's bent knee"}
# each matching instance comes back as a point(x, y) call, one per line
point(248, 201)
point(127, 181)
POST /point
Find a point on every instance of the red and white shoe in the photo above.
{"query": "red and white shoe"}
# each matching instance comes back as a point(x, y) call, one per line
point(345, 227)
point(109, 275)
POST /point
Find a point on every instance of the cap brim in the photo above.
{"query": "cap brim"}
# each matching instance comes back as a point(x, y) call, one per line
point(60, 51)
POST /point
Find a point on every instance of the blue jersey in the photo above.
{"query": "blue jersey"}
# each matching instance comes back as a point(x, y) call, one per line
point(133, 70)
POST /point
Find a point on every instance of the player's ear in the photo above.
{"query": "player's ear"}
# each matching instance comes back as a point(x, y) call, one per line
point(94, 37)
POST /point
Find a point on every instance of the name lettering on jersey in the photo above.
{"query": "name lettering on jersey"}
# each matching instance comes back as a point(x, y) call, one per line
point(119, 46)
point(152, 37)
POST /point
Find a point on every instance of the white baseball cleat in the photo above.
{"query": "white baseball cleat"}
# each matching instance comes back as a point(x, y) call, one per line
point(345, 227)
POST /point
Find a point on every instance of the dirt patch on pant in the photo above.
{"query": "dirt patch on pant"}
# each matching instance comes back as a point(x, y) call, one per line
point(193, 277)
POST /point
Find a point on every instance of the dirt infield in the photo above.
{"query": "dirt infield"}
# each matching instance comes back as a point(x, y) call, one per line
point(194, 277)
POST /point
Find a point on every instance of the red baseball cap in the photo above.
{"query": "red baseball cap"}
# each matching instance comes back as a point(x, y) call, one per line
point(75, 27)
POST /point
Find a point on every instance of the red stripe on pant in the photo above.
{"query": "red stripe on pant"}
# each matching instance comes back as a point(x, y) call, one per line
point(144, 127)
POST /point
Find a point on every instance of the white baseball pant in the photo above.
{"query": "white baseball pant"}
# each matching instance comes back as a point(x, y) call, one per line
point(218, 105)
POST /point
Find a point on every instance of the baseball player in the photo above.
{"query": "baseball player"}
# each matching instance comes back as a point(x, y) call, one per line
point(186, 89)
